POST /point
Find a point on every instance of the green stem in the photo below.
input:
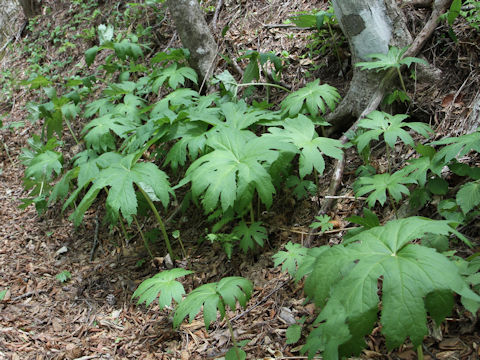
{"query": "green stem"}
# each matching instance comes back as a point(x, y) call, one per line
point(7, 152)
point(183, 249)
point(145, 243)
point(264, 84)
point(393, 206)
point(387, 149)
point(230, 328)
point(124, 231)
point(419, 352)
point(71, 130)
point(316, 178)
point(159, 220)
point(252, 215)
point(335, 47)
point(401, 80)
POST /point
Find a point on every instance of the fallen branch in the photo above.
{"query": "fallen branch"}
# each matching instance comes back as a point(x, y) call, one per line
point(439, 8)
point(215, 16)
point(29, 294)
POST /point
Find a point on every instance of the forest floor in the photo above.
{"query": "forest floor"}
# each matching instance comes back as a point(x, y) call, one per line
point(92, 316)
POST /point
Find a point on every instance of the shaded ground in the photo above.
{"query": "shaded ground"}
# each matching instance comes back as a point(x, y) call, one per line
point(91, 316)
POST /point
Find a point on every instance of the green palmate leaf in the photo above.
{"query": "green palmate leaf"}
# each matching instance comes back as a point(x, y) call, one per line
point(469, 196)
point(235, 354)
point(392, 59)
point(213, 297)
point(457, 147)
point(250, 235)
point(300, 132)
point(415, 279)
point(232, 170)
point(391, 127)
point(120, 177)
point(323, 223)
point(64, 276)
point(293, 334)
point(291, 259)
point(162, 285)
point(379, 184)
point(301, 188)
point(43, 165)
point(175, 76)
point(311, 99)
point(98, 132)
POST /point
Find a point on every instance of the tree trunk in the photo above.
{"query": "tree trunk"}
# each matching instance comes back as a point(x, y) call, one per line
point(30, 7)
point(370, 26)
point(195, 35)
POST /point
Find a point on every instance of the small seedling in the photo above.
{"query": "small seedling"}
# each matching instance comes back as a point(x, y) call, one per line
point(64, 276)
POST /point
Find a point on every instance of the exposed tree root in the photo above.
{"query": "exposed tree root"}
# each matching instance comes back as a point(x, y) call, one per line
point(440, 6)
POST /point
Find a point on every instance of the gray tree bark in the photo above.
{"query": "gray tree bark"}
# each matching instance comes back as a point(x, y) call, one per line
point(30, 7)
point(195, 35)
point(370, 26)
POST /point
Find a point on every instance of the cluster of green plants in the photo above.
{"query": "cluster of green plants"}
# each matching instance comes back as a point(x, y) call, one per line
point(230, 158)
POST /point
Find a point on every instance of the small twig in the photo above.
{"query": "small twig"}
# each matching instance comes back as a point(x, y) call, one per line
point(215, 16)
point(317, 233)
point(261, 301)
point(287, 26)
point(172, 40)
point(344, 197)
point(95, 239)
point(29, 294)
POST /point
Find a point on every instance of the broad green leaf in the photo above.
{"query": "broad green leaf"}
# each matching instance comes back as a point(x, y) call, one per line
point(469, 196)
point(64, 276)
point(457, 146)
point(2, 294)
point(379, 184)
point(293, 334)
point(300, 132)
point(250, 235)
point(391, 127)
point(235, 354)
point(345, 283)
point(162, 285)
point(228, 173)
point(120, 178)
point(90, 55)
point(392, 59)
point(312, 99)
point(323, 223)
point(213, 297)
point(98, 132)
point(44, 164)
point(290, 259)
point(301, 188)
point(175, 77)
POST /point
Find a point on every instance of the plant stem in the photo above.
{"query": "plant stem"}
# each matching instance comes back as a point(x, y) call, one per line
point(335, 46)
point(387, 149)
point(419, 352)
point(71, 130)
point(159, 220)
point(401, 80)
point(393, 206)
point(252, 215)
point(230, 328)
point(145, 243)
point(124, 231)
point(264, 84)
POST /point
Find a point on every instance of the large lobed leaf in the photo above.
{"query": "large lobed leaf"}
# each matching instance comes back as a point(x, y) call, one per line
point(300, 132)
point(162, 285)
point(391, 127)
point(311, 99)
point(414, 279)
point(213, 297)
point(379, 184)
point(232, 169)
point(120, 178)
